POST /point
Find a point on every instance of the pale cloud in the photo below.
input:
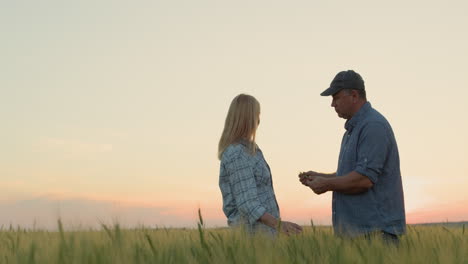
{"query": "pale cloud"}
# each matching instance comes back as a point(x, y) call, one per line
point(75, 145)
point(80, 212)
point(13, 189)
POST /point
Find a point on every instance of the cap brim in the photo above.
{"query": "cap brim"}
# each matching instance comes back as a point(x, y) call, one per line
point(330, 91)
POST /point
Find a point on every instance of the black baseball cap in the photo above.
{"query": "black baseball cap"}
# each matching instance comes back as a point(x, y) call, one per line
point(345, 80)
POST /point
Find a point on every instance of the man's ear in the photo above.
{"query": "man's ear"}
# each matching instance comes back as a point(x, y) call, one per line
point(355, 95)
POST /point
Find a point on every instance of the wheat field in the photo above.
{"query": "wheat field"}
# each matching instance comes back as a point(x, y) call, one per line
point(112, 244)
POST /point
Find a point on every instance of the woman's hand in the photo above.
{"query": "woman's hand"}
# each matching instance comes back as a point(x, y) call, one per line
point(286, 227)
point(290, 228)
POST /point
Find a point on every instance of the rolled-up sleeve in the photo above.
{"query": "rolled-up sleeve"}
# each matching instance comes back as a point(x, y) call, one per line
point(244, 189)
point(373, 149)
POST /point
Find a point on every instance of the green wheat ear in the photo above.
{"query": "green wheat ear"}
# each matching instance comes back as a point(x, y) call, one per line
point(312, 225)
point(200, 216)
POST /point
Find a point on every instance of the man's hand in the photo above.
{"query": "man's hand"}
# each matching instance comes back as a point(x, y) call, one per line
point(290, 228)
point(307, 176)
point(319, 184)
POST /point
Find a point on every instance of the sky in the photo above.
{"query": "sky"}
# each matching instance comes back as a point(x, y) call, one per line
point(111, 111)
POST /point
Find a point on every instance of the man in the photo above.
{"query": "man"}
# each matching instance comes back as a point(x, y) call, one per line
point(367, 188)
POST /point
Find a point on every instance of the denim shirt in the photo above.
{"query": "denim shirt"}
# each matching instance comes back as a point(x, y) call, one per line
point(247, 188)
point(369, 148)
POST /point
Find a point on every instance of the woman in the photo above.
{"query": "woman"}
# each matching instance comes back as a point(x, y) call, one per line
point(245, 177)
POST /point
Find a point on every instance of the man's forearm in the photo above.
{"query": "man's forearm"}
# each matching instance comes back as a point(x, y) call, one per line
point(352, 183)
point(327, 175)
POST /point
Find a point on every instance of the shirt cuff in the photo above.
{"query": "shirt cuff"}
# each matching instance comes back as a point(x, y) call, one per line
point(368, 172)
point(256, 213)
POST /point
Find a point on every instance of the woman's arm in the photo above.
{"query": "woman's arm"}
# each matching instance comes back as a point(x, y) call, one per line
point(286, 227)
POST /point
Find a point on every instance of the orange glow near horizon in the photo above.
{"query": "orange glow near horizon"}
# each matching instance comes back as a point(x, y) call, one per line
point(178, 214)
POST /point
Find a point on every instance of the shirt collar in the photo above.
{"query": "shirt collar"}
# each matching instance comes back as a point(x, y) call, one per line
point(246, 143)
point(351, 123)
point(243, 141)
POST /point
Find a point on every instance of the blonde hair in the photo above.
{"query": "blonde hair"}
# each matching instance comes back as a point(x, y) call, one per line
point(241, 123)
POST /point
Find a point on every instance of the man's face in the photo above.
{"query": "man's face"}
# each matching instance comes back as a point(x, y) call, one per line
point(343, 103)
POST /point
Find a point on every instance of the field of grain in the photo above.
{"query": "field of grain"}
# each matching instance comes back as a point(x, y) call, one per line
point(422, 244)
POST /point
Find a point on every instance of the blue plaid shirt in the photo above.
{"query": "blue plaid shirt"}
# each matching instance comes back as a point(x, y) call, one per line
point(369, 148)
point(247, 188)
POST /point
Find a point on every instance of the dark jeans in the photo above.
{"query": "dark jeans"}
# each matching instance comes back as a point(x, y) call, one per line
point(388, 238)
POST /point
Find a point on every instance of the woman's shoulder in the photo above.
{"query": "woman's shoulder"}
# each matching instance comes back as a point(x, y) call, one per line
point(234, 151)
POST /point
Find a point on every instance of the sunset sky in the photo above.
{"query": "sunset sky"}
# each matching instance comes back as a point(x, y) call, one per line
point(112, 110)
